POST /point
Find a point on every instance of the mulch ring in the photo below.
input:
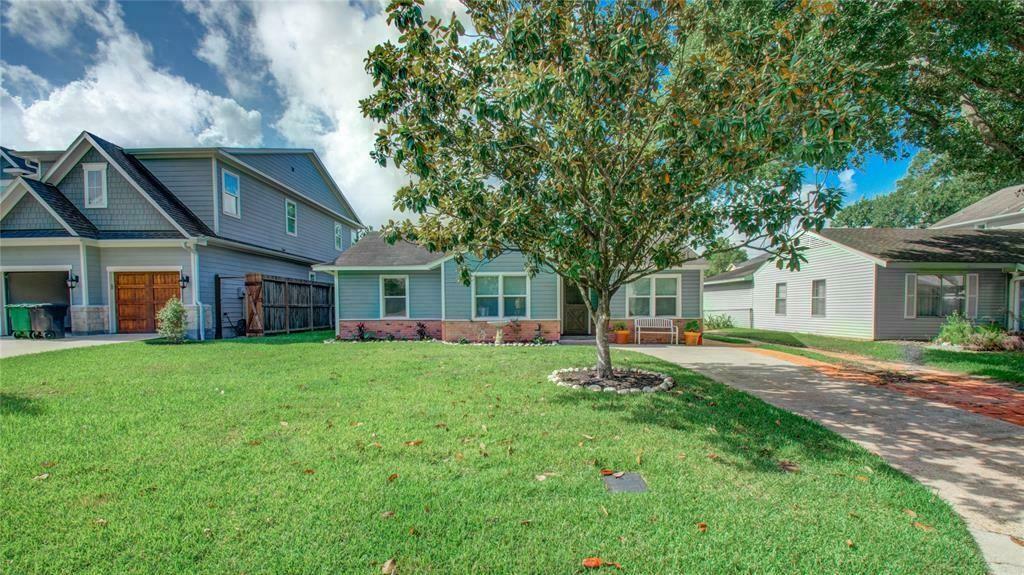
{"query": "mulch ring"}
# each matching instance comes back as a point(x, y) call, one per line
point(622, 381)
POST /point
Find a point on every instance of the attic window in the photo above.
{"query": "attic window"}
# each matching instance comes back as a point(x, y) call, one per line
point(231, 191)
point(95, 185)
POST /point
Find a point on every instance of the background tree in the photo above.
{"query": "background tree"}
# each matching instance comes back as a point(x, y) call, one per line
point(931, 190)
point(608, 140)
point(721, 255)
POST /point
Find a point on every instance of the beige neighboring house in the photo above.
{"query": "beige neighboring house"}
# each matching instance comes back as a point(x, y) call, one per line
point(889, 283)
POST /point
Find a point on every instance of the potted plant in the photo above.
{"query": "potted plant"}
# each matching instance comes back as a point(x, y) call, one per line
point(692, 333)
point(620, 331)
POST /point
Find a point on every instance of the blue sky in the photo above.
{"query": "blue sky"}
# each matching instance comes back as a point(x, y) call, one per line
point(206, 72)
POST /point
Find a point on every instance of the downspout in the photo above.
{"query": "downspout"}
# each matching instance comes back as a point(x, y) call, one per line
point(190, 245)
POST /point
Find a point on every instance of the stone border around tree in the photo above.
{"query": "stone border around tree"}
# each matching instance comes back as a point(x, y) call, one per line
point(666, 384)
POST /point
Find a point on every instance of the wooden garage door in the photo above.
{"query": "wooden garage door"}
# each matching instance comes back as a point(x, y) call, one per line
point(140, 295)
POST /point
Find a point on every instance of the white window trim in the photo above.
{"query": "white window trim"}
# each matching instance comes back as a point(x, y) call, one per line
point(775, 300)
point(965, 308)
point(380, 282)
point(824, 299)
point(339, 237)
point(100, 167)
point(501, 295)
point(651, 296)
point(224, 191)
point(287, 203)
point(910, 296)
point(971, 296)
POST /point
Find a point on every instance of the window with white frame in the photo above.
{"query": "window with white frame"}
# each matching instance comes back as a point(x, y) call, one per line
point(653, 296)
point(940, 295)
point(231, 194)
point(818, 298)
point(291, 218)
point(781, 291)
point(339, 236)
point(353, 236)
point(95, 179)
point(501, 296)
point(394, 296)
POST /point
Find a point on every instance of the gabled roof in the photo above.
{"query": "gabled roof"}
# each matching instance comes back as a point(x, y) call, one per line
point(62, 207)
point(373, 252)
point(18, 162)
point(741, 271)
point(153, 187)
point(1006, 201)
point(956, 245)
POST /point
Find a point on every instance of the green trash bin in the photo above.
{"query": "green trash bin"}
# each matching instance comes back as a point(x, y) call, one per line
point(20, 315)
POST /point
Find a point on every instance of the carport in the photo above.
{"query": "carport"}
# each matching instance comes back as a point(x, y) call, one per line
point(45, 285)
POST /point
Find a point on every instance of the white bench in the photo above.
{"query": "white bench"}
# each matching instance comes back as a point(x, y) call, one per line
point(655, 325)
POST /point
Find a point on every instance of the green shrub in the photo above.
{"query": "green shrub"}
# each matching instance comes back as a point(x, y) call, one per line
point(722, 321)
point(988, 338)
point(692, 325)
point(956, 330)
point(171, 321)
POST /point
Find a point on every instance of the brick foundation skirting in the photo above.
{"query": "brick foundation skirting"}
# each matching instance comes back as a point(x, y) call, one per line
point(484, 331)
point(400, 328)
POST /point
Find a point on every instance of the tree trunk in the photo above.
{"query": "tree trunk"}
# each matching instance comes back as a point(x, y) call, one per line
point(604, 356)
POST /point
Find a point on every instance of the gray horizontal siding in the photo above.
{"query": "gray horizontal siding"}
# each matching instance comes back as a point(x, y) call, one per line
point(297, 171)
point(191, 180)
point(849, 285)
point(29, 214)
point(459, 297)
point(127, 208)
point(690, 303)
point(140, 258)
point(359, 294)
point(94, 270)
point(733, 299)
point(890, 286)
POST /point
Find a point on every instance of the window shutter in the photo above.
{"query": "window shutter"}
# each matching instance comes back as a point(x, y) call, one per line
point(972, 296)
point(910, 296)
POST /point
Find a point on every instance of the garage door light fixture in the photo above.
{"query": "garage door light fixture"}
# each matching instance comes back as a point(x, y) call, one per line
point(72, 281)
point(183, 281)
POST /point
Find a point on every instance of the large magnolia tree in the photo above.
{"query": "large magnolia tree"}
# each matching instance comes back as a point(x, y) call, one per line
point(607, 141)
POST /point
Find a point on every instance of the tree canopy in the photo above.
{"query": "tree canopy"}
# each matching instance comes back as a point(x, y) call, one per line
point(722, 255)
point(931, 190)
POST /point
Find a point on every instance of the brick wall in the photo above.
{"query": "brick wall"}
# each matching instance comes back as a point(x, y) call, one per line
point(400, 328)
point(476, 331)
point(652, 337)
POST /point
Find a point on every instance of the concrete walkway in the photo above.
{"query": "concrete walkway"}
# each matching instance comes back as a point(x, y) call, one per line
point(976, 463)
point(10, 347)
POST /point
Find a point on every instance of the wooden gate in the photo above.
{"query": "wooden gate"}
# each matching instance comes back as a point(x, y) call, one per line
point(284, 305)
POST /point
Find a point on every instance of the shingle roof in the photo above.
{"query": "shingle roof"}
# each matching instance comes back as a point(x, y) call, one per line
point(373, 251)
point(741, 270)
point(154, 188)
point(956, 245)
point(63, 206)
point(139, 235)
point(1006, 201)
point(18, 161)
point(9, 234)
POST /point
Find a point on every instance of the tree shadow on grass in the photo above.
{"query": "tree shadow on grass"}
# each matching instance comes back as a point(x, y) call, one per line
point(14, 404)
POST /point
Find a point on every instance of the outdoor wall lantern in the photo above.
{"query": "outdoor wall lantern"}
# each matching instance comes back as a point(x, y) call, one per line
point(72, 281)
point(183, 281)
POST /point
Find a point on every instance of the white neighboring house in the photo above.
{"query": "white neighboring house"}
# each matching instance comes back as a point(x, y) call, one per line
point(889, 283)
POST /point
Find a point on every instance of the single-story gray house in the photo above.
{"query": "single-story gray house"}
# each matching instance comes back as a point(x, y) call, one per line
point(391, 288)
point(114, 233)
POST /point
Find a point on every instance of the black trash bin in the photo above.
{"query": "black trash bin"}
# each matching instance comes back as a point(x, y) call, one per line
point(48, 320)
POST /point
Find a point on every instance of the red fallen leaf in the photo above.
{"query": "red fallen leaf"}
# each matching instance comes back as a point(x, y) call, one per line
point(702, 527)
point(607, 471)
point(1017, 540)
point(392, 477)
point(414, 442)
point(309, 472)
point(597, 562)
point(923, 527)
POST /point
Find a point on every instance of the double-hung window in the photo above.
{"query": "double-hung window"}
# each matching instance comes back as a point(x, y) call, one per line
point(818, 298)
point(501, 296)
point(780, 298)
point(394, 296)
point(339, 236)
point(231, 194)
point(95, 177)
point(291, 218)
point(940, 295)
point(653, 296)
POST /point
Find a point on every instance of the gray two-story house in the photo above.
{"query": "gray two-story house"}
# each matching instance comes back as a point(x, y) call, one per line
point(115, 232)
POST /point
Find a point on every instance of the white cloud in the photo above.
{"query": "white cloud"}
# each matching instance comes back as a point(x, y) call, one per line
point(48, 25)
point(22, 82)
point(123, 97)
point(847, 183)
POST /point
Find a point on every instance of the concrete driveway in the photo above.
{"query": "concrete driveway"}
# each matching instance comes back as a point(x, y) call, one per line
point(976, 463)
point(10, 347)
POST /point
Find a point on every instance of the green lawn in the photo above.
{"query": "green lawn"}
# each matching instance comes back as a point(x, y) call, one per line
point(274, 456)
point(1005, 366)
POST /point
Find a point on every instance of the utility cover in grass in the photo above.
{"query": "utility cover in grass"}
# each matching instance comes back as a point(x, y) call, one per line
point(629, 483)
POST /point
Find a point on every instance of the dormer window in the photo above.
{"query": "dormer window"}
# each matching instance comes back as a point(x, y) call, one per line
point(95, 178)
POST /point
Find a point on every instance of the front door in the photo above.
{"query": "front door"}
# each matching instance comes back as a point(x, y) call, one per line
point(574, 310)
point(140, 295)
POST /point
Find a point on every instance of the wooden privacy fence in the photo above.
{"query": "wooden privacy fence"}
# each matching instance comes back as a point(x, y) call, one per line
point(283, 305)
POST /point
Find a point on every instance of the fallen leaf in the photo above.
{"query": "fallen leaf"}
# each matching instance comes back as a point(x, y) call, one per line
point(777, 422)
point(284, 424)
point(40, 477)
point(48, 464)
point(540, 477)
point(1017, 540)
point(442, 425)
point(412, 531)
point(414, 442)
point(597, 562)
point(590, 437)
point(356, 423)
point(618, 475)
point(681, 456)
point(525, 522)
point(101, 522)
point(377, 445)
point(607, 471)
point(604, 511)
point(392, 477)
point(789, 466)
point(389, 567)
point(923, 527)
point(861, 478)
point(849, 543)
point(309, 472)
point(387, 515)
point(255, 442)
point(712, 456)
point(702, 527)
point(639, 458)
point(910, 512)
